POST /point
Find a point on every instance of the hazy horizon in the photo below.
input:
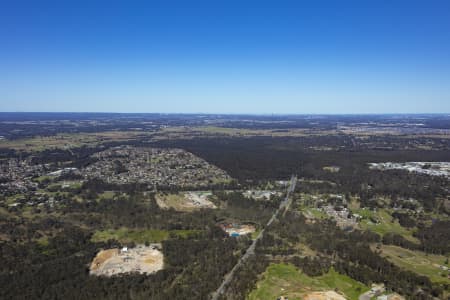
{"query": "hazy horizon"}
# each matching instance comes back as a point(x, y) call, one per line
point(225, 113)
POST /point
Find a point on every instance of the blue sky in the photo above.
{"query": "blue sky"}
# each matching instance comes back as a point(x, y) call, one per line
point(225, 56)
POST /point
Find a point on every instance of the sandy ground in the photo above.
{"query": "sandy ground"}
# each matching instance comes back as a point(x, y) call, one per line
point(103, 256)
point(199, 200)
point(161, 203)
point(141, 259)
point(328, 295)
point(260, 194)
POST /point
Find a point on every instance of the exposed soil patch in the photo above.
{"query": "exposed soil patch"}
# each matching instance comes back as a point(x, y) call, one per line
point(141, 259)
point(187, 201)
point(328, 295)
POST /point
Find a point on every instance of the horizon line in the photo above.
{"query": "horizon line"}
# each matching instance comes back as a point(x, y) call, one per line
point(225, 113)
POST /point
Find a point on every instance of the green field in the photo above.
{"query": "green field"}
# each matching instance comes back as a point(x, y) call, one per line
point(43, 177)
point(305, 205)
point(418, 262)
point(318, 214)
point(255, 233)
point(221, 180)
point(140, 236)
point(68, 185)
point(386, 223)
point(287, 280)
point(43, 241)
point(106, 195)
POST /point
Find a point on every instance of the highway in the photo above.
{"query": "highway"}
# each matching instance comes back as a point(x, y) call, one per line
point(284, 205)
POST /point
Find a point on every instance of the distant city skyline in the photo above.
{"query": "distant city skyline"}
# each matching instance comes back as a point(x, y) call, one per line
point(230, 57)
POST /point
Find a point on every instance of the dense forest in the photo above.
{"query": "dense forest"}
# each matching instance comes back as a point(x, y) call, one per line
point(194, 265)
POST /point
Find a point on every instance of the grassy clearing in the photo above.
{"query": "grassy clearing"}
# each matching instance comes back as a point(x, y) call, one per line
point(12, 199)
point(140, 236)
point(386, 223)
point(318, 214)
point(418, 262)
point(287, 280)
point(42, 178)
point(62, 185)
point(221, 180)
point(255, 233)
point(175, 201)
point(312, 212)
point(106, 195)
point(43, 241)
point(71, 184)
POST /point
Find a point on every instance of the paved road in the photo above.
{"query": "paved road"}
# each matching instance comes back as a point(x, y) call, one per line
point(284, 205)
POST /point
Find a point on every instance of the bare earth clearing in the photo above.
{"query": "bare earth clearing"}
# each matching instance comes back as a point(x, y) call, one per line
point(187, 201)
point(328, 295)
point(141, 259)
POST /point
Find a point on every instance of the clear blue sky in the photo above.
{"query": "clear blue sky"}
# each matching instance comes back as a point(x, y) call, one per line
point(225, 56)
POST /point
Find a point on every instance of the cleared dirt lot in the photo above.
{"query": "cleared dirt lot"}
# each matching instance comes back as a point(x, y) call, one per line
point(141, 259)
point(328, 295)
point(185, 201)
